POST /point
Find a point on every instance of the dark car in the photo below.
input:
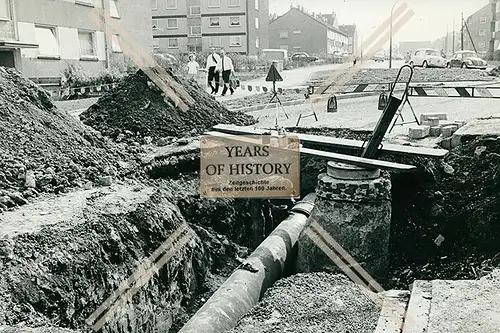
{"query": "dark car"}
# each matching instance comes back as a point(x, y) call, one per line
point(303, 57)
point(467, 59)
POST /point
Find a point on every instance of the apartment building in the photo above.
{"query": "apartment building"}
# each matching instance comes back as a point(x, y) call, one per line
point(297, 30)
point(495, 25)
point(182, 26)
point(42, 38)
point(479, 27)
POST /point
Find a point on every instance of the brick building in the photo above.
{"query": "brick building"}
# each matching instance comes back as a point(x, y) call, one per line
point(297, 30)
point(479, 26)
point(182, 26)
point(42, 38)
point(352, 35)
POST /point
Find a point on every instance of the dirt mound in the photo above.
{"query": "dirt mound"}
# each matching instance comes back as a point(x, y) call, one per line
point(136, 108)
point(447, 224)
point(313, 302)
point(43, 149)
point(385, 75)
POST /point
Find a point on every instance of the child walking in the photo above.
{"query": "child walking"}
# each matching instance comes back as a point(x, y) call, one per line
point(192, 68)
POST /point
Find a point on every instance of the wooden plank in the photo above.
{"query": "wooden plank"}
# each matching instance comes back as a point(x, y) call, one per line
point(417, 315)
point(359, 161)
point(393, 311)
point(339, 143)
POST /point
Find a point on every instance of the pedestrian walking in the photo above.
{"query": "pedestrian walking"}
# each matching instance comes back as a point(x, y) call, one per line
point(213, 61)
point(192, 67)
point(226, 69)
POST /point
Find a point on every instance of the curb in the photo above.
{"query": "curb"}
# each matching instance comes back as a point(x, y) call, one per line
point(301, 101)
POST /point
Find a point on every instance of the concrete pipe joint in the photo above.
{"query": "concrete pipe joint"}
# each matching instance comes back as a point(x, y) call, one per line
point(244, 288)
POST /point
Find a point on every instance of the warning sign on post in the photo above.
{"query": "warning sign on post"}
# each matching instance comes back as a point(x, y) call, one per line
point(253, 166)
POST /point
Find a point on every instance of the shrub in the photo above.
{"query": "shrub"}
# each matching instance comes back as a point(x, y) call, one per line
point(75, 77)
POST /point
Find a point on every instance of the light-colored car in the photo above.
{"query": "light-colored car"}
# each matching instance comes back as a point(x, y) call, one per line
point(428, 58)
point(467, 59)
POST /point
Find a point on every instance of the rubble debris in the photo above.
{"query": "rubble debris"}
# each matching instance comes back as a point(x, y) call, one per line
point(120, 112)
point(43, 148)
point(313, 302)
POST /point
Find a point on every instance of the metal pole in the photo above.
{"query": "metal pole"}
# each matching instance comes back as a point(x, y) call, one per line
point(390, 43)
point(446, 42)
point(462, 33)
point(390, 38)
point(453, 38)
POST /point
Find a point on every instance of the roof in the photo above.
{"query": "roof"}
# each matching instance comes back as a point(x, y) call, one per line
point(349, 29)
point(331, 27)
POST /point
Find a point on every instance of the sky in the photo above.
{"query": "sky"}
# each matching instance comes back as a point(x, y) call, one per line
point(428, 24)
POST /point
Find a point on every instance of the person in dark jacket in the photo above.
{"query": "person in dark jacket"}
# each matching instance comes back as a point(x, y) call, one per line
point(213, 61)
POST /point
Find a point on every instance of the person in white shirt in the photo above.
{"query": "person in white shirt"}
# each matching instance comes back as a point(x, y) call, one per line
point(192, 67)
point(213, 60)
point(226, 68)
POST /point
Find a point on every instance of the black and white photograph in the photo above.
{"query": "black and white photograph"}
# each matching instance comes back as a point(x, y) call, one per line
point(249, 166)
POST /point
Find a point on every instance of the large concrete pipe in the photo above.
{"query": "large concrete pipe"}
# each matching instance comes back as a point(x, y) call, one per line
point(244, 288)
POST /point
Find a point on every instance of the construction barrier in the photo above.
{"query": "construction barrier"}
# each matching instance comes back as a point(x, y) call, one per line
point(471, 92)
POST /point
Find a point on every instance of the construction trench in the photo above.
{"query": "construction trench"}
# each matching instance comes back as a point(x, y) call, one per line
point(86, 206)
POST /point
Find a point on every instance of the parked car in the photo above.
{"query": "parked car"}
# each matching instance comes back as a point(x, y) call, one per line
point(428, 58)
point(379, 57)
point(303, 57)
point(467, 59)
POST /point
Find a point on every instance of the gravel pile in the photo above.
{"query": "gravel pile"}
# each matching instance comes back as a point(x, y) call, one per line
point(136, 109)
point(43, 149)
point(384, 75)
point(312, 303)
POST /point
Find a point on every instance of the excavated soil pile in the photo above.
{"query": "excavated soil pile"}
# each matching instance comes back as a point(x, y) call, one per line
point(313, 303)
point(448, 225)
point(43, 149)
point(136, 109)
point(385, 75)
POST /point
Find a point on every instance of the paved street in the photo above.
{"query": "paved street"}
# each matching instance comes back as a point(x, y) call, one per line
point(362, 112)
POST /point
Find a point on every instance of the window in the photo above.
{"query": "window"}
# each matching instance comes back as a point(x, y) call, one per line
point(195, 31)
point(469, 21)
point(154, 4)
point(47, 41)
point(256, 23)
point(171, 4)
point(215, 41)
point(87, 46)
point(233, 3)
point(4, 9)
point(482, 44)
point(256, 4)
point(482, 19)
point(213, 3)
point(155, 24)
point(172, 23)
point(235, 41)
point(482, 32)
point(115, 44)
point(283, 34)
point(214, 22)
point(284, 47)
point(156, 43)
point(234, 21)
point(257, 42)
point(173, 43)
point(113, 9)
point(296, 32)
point(195, 10)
